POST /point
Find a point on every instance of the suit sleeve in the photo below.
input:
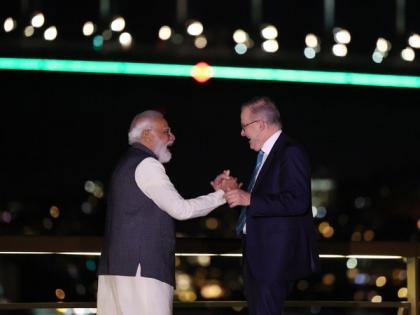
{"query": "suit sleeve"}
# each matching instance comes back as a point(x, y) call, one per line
point(292, 196)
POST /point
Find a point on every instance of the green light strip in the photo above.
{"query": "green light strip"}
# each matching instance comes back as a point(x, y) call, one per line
point(219, 72)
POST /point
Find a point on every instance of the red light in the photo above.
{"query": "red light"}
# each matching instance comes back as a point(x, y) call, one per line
point(202, 72)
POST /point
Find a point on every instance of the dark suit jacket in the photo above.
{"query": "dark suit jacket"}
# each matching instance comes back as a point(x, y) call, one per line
point(280, 243)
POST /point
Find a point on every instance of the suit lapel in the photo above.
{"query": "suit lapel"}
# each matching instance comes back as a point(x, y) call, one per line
point(270, 158)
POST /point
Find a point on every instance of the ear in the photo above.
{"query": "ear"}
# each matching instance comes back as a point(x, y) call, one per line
point(146, 135)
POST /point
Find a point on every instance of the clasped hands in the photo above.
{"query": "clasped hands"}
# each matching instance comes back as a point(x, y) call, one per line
point(234, 195)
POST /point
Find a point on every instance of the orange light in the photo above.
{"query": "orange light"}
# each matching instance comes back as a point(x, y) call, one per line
point(202, 72)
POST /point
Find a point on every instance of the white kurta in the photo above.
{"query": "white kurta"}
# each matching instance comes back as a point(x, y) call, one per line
point(122, 295)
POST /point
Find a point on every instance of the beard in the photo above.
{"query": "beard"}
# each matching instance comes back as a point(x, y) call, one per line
point(162, 152)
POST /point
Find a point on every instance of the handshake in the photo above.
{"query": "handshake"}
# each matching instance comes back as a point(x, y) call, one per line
point(234, 195)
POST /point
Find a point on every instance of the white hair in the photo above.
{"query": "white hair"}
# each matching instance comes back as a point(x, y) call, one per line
point(140, 123)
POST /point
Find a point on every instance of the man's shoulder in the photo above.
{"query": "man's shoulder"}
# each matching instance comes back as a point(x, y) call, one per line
point(292, 147)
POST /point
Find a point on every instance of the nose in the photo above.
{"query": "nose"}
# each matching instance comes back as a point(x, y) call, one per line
point(242, 133)
point(172, 137)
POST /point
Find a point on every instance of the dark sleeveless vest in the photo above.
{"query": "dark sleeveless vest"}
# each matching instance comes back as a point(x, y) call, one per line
point(137, 231)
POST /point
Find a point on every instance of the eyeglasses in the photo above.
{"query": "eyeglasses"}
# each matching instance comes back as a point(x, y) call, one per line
point(244, 126)
point(165, 131)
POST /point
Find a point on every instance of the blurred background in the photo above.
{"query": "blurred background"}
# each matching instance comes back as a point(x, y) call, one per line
point(62, 132)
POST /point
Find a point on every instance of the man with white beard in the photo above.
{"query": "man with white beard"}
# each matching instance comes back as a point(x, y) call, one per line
point(137, 267)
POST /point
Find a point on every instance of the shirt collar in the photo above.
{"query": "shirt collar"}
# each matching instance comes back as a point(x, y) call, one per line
point(269, 143)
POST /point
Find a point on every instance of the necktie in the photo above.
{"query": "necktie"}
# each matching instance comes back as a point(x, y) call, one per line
point(242, 217)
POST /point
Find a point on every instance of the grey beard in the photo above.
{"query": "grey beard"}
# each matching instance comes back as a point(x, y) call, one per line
point(163, 154)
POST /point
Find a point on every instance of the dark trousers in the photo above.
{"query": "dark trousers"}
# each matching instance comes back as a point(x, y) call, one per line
point(264, 298)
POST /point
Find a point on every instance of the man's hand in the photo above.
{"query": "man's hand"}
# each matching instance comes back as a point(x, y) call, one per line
point(230, 183)
point(217, 182)
point(238, 197)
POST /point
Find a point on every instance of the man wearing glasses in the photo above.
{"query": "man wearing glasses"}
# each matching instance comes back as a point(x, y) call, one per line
point(276, 224)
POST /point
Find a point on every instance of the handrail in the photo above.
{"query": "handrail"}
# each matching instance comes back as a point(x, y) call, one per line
point(214, 304)
point(91, 245)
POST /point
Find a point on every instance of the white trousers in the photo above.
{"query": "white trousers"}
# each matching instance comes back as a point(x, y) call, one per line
point(121, 295)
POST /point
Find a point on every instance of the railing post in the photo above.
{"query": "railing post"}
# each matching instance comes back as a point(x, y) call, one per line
point(413, 285)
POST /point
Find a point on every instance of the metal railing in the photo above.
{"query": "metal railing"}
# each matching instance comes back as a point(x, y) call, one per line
point(410, 252)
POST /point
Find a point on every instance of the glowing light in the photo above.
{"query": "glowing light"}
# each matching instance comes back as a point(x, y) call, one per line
point(202, 72)
point(408, 54)
point(269, 32)
point(200, 42)
point(311, 40)
point(125, 39)
point(60, 294)
point(322, 226)
point(328, 279)
point(241, 49)
point(54, 212)
point(361, 278)
point(351, 263)
point(376, 299)
point(339, 50)
point(418, 224)
point(309, 53)
point(29, 31)
point(402, 293)
point(321, 212)
point(341, 36)
point(88, 28)
point(9, 24)
point(270, 46)
point(414, 41)
point(212, 223)
point(368, 235)
point(211, 291)
point(187, 296)
point(326, 230)
point(98, 42)
point(383, 45)
point(380, 281)
point(183, 281)
point(195, 28)
point(38, 20)
point(352, 273)
point(204, 261)
point(50, 33)
point(165, 32)
point(240, 36)
point(377, 57)
point(118, 24)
